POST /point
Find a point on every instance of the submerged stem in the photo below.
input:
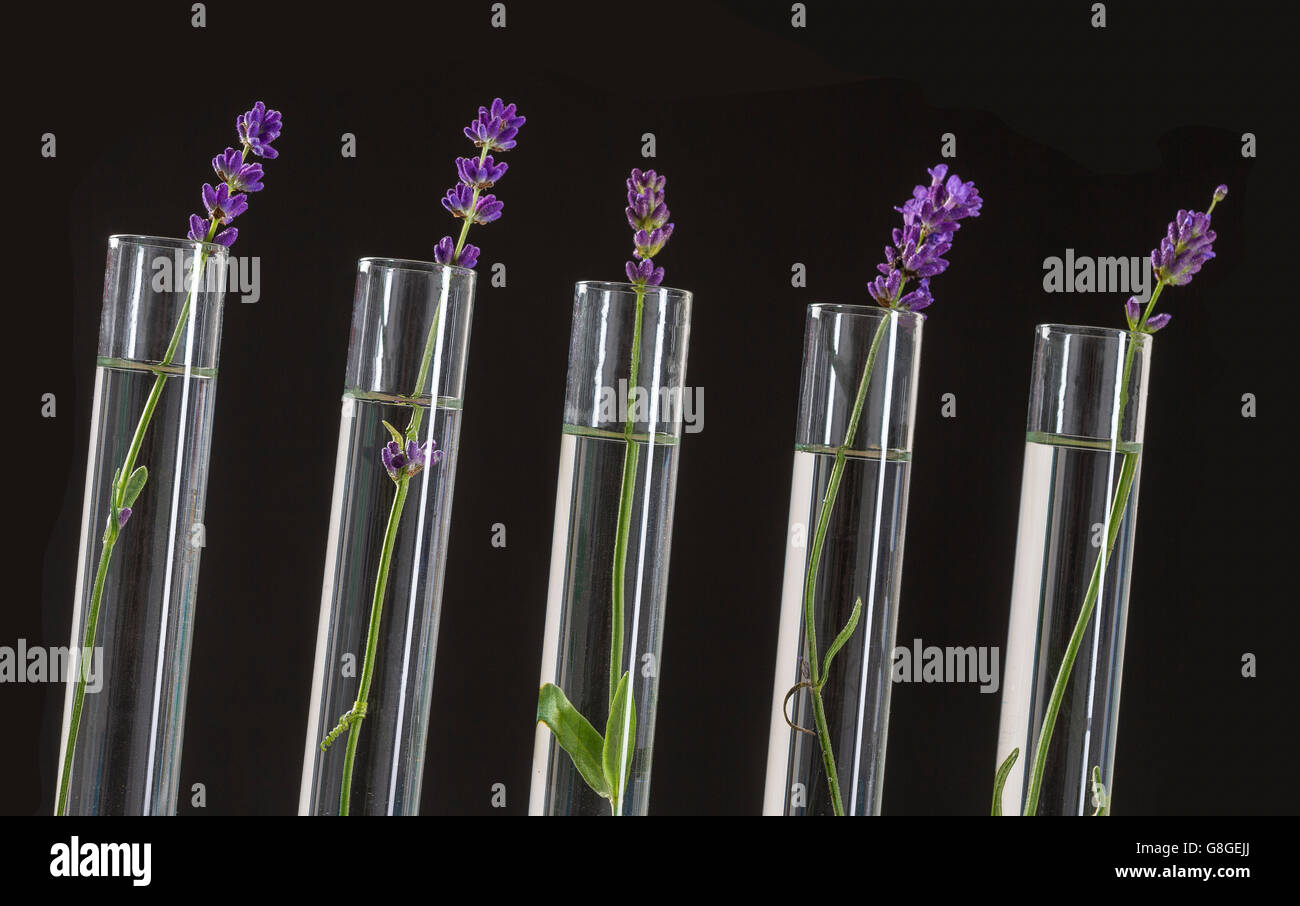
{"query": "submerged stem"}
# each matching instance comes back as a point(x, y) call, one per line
point(114, 529)
point(631, 454)
point(814, 566)
point(350, 722)
point(1127, 471)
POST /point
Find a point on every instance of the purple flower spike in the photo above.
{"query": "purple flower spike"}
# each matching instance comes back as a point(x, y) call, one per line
point(930, 219)
point(258, 128)
point(480, 175)
point(647, 215)
point(222, 206)
point(241, 177)
point(1188, 244)
point(496, 127)
point(494, 130)
point(122, 515)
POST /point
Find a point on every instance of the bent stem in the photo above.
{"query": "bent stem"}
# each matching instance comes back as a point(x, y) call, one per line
point(114, 529)
point(814, 565)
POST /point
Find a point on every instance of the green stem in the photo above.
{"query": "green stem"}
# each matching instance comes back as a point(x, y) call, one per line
point(464, 230)
point(113, 530)
point(1127, 471)
point(372, 640)
point(814, 566)
point(631, 455)
point(352, 720)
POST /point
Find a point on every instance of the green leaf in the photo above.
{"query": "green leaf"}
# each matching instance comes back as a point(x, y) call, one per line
point(134, 485)
point(1100, 799)
point(397, 435)
point(841, 639)
point(620, 713)
point(1001, 780)
point(575, 734)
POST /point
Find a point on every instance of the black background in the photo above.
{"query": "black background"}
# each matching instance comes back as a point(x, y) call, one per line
point(781, 145)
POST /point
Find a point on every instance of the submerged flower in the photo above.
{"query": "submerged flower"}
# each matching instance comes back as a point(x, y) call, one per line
point(496, 127)
point(257, 129)
point(647, 214)
point(405, 462)
point(241, 177)
point(930, 218)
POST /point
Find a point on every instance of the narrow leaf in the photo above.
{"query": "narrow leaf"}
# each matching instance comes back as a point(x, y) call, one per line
point(1001, 780)
point(1100, 799)
point(622, 713)
point(842, 639)
point(575, 734)
point(134, 485)
point(397, 435)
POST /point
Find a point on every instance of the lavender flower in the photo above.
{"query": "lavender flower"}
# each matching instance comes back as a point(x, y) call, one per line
point(256, 128)
point(465, 203)
point(647, 214)
point(239, 176)
point(1188, 243)
point(480, 174)
point(930, 218)
point(199, 229)
point(496, 128)
point(122, 515)
point(445, 253)
point(644, 274)
point(222, 206)
point(408, 462)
